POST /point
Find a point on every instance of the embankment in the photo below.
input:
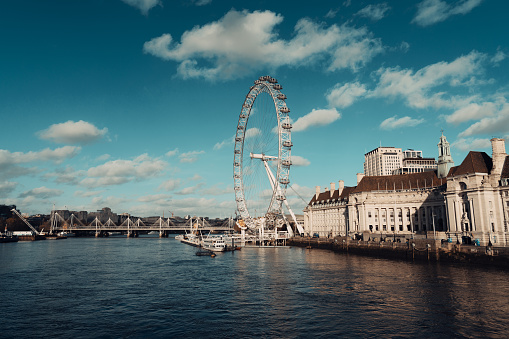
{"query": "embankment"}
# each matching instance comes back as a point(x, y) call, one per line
point(414, 249)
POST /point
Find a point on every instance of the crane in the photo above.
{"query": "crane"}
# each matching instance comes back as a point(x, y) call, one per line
point(25, 221)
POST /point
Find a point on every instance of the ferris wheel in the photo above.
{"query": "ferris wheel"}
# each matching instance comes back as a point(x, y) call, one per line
point(262, 157)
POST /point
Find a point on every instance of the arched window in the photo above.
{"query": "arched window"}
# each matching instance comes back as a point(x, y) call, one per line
point(463, 186)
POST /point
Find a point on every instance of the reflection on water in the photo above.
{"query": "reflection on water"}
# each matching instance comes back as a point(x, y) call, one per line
point(118, 287)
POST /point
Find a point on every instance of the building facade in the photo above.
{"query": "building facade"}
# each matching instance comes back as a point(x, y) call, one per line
point(413, 162)
point(382, 161)
point(471, 203)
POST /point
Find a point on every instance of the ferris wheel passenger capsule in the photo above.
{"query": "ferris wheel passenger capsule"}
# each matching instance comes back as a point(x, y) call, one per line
point(284, 109)
point(287, 125)
point(277, 87)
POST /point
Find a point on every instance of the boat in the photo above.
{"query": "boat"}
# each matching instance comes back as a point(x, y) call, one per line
point(193, 238)
point(206, 253)
point(66, 234)
point(8, 237)
point(215, 244)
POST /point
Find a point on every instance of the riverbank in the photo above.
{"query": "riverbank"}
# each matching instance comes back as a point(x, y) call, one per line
point(414, 249)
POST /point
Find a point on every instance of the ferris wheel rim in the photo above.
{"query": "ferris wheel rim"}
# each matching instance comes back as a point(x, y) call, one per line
point(270, 86)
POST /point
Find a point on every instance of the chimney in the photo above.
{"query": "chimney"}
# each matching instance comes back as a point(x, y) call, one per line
point(332, 188)
point(317, 188)
point(359, 177)
point(341, 186)
point(498, 156)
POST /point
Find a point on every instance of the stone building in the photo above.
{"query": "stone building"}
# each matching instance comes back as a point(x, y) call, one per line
point(471, 203)
point(477, 196)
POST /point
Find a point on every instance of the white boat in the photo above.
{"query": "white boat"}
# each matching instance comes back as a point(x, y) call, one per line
point(194, 237)
point(66, 234)
point(215, 244)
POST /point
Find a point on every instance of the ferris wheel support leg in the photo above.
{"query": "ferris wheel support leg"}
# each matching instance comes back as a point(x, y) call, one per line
point(272, 183)
point(299, 227)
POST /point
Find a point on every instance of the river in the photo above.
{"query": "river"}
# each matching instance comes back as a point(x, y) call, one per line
point(148, 287)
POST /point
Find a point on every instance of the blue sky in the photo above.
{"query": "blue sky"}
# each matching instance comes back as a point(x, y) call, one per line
point(132, 104)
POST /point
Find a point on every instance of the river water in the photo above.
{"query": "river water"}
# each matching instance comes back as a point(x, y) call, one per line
point(158, 288)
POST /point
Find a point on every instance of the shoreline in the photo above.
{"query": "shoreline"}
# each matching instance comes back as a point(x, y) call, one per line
point(413, 250)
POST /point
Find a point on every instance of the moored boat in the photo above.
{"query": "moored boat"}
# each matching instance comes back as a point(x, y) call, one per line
point(8, 238)
point(215, 244)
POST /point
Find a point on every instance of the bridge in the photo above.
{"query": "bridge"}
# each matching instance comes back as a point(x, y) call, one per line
point(163, 226)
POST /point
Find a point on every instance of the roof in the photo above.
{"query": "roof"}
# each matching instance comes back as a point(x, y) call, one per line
point(505, 168)
point(399, 182)
point(474, 162)
point(324, 196)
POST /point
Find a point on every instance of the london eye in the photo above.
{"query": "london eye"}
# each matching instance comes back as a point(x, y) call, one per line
point(262, 157)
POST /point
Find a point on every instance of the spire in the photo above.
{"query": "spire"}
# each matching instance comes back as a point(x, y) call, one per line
point(445, 161)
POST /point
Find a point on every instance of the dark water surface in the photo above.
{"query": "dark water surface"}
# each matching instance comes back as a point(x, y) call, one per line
point(158, 288)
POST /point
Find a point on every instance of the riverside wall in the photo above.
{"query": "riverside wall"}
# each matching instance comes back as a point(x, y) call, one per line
point(413, 250)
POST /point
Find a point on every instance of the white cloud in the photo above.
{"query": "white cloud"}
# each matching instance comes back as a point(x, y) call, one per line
point(299, 161)
point(244, 42)
point(191, 189)
point(317, 117)
point(496, 124)
point(394, 122)
point(117, 172)
point(57, 155)
point(430, 12)
point(416, 87)
point(41, 193)
point(217, 190)
point(103, 157)
point(226, 142)
point(170, 184)
point(190, 157)
point(472, 111)
point(196, 177)
point(155, 197)
point(65, 175)
point(374, 12)
point(172, 153)
point(469, 144)
point(201, 2)
point(70, 132)
point(252, 132)
point(143, 5)
point(87, 194)
point(499, 56)
point(331, 13)
point(7, 187)
point(345, 95)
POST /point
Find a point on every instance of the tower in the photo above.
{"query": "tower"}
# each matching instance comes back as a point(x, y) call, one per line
point(445, 161)
point(498, 155)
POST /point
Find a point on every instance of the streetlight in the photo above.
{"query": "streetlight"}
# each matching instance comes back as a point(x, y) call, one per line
point(433, 221)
